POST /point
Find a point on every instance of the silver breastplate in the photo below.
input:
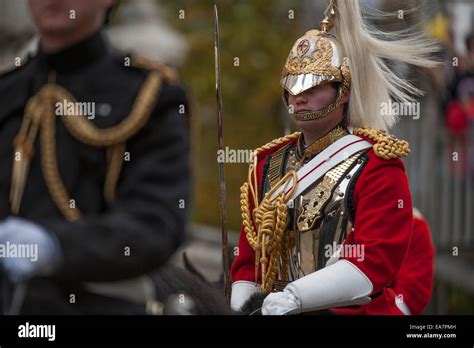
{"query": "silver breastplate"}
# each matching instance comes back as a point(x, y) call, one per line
point(320, 219)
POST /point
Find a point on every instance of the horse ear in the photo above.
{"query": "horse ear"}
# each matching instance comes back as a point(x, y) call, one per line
point(192, 269)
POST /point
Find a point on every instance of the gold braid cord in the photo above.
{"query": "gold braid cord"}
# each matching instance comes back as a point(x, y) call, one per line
point(386, 146)
point(169, 74)
point(40, 114)
point(115, 161)
point(84, 130)
point(265, 226)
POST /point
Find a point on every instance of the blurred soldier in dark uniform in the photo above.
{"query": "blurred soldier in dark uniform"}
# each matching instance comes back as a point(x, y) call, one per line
point(94, 173)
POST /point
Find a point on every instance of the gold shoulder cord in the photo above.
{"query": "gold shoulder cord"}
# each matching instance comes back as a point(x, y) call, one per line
point(40, 116)
point(264, 227)
point(386, 146)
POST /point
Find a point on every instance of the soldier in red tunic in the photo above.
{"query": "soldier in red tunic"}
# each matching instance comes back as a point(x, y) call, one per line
point(327, 213)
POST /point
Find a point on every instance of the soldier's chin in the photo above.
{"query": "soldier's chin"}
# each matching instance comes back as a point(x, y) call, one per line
point(310, 124)
point(55, 25)
point(318, 123)
point(294, 116)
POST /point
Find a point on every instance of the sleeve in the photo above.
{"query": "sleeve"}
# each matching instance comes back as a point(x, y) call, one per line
point(145, 224)
point(415, 279)
point(383, 221)
point(243, 267)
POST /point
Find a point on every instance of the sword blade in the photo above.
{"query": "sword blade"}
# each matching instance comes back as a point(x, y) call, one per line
point(220, 139)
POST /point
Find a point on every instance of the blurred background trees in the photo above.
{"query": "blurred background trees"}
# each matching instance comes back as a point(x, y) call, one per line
point(255, 39)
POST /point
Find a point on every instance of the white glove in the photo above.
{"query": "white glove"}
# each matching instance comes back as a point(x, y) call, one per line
point(29, 250)
point(242, 290)
point(281, 303)
point(338, 285)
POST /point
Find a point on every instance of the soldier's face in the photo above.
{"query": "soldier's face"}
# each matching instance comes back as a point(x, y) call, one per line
point(313, 99)
point(56, 17)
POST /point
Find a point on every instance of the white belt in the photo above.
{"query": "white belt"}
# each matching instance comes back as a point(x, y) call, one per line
point(334, 154)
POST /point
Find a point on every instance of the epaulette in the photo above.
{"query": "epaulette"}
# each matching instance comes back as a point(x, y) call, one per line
point(277, 142)
point(385, 146)
point(168, 73)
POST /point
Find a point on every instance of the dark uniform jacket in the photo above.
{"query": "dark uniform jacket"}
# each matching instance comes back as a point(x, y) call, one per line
point(140, 229)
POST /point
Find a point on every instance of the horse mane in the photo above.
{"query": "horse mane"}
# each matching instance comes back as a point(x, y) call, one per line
point(171, 281)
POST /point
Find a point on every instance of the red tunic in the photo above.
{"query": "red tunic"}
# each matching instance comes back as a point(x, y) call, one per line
point(415, 279)
point(382, 225)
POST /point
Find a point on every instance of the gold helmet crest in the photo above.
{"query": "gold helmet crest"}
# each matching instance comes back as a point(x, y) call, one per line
point(316, 58)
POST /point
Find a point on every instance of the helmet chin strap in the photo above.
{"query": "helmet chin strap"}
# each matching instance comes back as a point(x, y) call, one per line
point(309, 116)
